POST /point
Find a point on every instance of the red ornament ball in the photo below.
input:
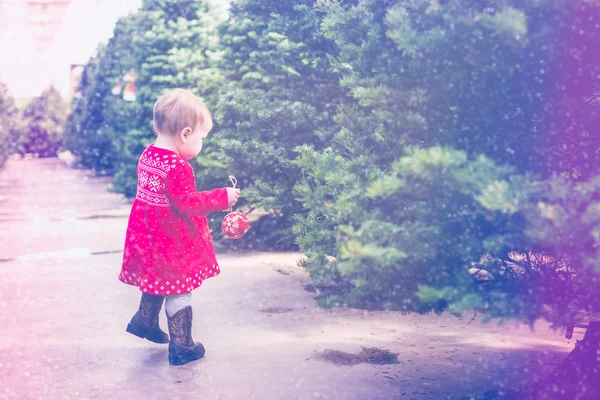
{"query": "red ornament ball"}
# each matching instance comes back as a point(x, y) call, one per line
point(235, 225)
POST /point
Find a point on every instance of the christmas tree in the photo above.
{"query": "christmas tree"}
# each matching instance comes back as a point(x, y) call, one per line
point(100, 117)
point(279, 93)
point(43, 123)
point(8, 123)
point(465, 173)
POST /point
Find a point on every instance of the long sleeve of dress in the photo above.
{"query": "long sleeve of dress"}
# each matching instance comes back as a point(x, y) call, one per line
point(181, 191)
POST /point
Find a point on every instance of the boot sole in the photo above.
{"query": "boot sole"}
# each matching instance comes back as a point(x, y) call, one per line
point(192, 354)
point(183, 360)
point(141, 333)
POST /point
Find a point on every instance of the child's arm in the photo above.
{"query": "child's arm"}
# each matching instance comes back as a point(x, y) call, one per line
point(181, 191)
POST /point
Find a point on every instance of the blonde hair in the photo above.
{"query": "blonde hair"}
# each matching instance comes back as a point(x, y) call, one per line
point(178, 109)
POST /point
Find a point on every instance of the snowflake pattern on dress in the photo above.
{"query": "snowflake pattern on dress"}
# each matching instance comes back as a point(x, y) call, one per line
point(192, 281)
point(155, 183)
point(152, 172)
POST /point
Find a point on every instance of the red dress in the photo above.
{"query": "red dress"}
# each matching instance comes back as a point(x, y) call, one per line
point(168, 247)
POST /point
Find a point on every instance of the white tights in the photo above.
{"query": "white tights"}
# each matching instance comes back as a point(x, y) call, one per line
point(177, 302)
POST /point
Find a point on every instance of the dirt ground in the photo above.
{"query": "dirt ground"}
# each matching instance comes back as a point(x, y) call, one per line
point(64, 315)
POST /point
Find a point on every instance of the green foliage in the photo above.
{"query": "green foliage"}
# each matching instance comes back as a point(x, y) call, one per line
point(432, 193)
point(43, 124)
point(100, 120)
point(279, 94)
point(390, 234)
point(264, 74)
point(499, 78)
point(564, 225)
point(166, 44)
point(8, 123)
point(424, 155)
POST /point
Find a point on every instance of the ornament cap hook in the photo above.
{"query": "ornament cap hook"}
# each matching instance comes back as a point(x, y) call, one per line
point(234, 183)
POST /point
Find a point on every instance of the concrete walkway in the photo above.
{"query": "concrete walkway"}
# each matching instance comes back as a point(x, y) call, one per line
point(64, 314)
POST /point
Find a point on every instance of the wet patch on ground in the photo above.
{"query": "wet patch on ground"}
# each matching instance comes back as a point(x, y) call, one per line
point(282, 272)
point(368, 355)
point(102, 217)
point(100, 253)
point(277, 310)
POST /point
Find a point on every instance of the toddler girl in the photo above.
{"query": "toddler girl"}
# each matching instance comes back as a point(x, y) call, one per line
point(168, 248)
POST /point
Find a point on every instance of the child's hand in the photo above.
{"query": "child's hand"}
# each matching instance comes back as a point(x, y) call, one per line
point(232, 196)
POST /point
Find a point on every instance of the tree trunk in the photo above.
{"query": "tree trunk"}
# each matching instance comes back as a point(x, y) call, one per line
point(578, 376)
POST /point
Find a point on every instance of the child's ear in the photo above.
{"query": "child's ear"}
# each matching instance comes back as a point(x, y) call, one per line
point(184, 134)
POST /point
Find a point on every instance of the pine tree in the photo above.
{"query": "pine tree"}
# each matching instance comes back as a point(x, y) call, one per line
point(173, 45)
point(166, 45)
point(465, 175)
point(43, 121)
point(439, 164)
point(8, 123)
point(100, 118)
point(279, 93)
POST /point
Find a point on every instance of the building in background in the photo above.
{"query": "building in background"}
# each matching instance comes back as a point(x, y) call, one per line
point(46, 42)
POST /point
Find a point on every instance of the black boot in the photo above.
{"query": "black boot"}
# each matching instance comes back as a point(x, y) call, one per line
point(145, 322)
point(182, 348)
